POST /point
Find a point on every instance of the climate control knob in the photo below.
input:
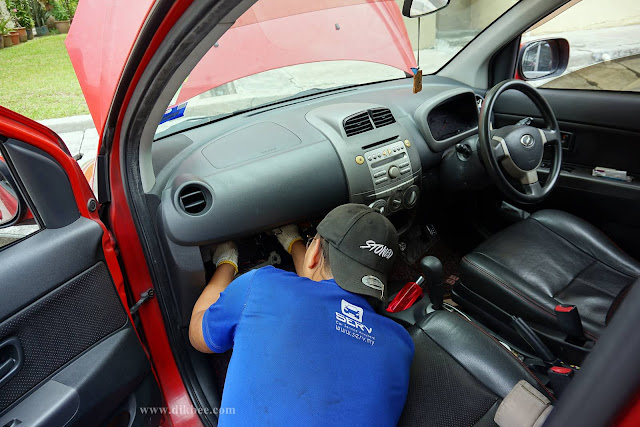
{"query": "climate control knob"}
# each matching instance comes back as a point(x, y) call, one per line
point(411, 196)
point(379, 206)
point(394, 172)
point(395, 202)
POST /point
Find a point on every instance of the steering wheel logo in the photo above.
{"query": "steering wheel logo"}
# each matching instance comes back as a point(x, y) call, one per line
point(527, 141)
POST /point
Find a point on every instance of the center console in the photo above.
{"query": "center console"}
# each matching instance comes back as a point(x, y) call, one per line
point(381, 164)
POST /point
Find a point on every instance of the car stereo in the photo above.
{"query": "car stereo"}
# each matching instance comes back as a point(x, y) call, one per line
point(392, 177)
point(380, 163)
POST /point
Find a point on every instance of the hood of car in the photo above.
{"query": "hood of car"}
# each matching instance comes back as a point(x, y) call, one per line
point(99, 43)
point(104, 32)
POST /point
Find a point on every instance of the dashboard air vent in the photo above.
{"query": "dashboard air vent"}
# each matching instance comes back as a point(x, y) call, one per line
point(192, 199)
point(358, 123)
point(382, 117)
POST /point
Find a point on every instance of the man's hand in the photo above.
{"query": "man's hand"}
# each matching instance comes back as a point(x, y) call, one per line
point(226, 253)
point(290, 239)
point(225, 257)
point(287, 236)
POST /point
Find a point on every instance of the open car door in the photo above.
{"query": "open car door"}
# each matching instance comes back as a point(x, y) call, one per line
point(69, 354)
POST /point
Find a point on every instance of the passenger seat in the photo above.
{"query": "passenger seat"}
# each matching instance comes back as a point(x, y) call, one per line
point(460, 374)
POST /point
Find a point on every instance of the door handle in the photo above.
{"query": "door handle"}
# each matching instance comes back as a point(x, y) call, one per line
point(11, 359)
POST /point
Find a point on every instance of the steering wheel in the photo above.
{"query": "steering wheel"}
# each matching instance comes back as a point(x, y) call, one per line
point(518, 149)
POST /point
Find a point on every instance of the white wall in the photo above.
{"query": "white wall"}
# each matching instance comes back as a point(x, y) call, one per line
point(591, 14)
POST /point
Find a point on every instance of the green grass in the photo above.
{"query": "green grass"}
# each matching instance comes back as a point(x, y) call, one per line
point(38, 81)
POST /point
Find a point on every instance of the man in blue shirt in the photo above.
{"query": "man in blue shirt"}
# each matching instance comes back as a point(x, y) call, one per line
point(308, 348)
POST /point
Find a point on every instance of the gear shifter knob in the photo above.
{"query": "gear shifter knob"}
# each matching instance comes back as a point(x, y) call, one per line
point(432, 271)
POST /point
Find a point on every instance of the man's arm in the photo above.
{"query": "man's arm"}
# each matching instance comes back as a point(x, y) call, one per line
point(221, 278)
point(226, 259)
point(290, 239)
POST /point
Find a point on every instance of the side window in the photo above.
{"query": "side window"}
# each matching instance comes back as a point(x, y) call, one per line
point(16, 219)
point(604, 44)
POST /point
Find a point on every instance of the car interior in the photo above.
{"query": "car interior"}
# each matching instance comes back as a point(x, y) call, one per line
point(529, 262)
point(485, 173)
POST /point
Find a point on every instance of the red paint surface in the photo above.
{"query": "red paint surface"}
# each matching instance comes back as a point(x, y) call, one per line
point(99, 43)
point(278, 33)
point(132, 255)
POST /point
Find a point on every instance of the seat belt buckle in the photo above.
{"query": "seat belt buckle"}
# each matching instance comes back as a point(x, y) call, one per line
point(560, 377)
point(407, 296)
point(569, 321)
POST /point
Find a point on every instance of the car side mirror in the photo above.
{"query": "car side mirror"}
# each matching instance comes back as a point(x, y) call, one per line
point(12, 205)
point(418, 8)
point(543, 59)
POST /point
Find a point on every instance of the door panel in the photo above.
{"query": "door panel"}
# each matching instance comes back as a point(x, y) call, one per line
point(80, 361)
point(605, 125)
point(605, 131)
point(80, 242)
point(59, 326)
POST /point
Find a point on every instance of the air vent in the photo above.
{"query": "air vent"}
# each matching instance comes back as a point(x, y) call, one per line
point(192, 199)
point(358, 123)
point(382, 117)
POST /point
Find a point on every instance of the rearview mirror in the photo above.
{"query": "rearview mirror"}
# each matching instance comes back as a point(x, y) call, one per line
point(418, 8)
point(10, 202)
point(543, 59)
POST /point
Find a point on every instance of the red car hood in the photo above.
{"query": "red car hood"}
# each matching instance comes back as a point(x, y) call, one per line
point(272, 34)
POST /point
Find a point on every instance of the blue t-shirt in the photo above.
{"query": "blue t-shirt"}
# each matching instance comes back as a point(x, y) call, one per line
point(306, 353)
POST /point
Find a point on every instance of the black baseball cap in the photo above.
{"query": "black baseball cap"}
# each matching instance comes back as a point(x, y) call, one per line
point(362, 247)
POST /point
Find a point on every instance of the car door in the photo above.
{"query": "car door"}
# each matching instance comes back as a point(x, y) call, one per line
point(69, 354)
point(596, 101)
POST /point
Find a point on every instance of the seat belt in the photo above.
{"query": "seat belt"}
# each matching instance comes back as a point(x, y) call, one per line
point(569, 322)
point(524, 406)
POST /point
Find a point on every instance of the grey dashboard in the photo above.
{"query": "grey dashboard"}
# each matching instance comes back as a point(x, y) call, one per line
point(281, 163)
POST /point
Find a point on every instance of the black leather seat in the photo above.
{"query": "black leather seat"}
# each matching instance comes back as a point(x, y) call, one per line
point(460, 374)
point(550, 258)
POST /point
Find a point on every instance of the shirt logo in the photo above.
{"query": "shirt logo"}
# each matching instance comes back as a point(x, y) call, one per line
point(351, 310)
point(378, 249)
point(349, 322)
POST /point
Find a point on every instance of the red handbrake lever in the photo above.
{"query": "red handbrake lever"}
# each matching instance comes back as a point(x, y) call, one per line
point(407, 296)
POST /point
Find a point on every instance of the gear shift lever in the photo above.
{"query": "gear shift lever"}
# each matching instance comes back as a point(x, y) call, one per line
point(432, 271)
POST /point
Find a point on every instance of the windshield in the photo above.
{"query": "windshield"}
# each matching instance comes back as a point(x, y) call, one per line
point(283, 49)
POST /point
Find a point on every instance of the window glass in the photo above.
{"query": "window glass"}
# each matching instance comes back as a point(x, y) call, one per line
point(16, 220)
point(604, 45)
point(280, 49)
